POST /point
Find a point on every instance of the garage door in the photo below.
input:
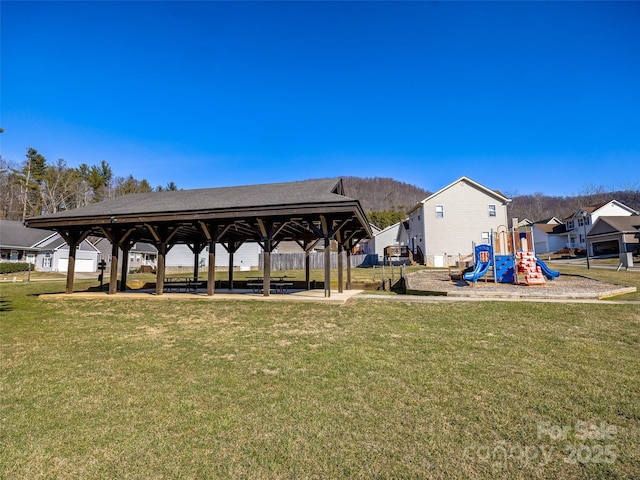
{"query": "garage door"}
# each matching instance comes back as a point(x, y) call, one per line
point(82, 265)
point(541, 247)
point(609, 247)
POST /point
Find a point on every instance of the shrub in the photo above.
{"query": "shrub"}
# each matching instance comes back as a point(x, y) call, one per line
point(13, 267)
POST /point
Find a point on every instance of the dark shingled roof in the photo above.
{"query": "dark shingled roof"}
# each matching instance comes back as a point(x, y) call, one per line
point(289, 211)
point(623, 224)
point(552, 228)
point(15, 235)
point(272, 194)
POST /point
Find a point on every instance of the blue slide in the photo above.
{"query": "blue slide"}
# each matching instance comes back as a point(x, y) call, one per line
point(480, 271)
point(484, 257)
point(550, 274)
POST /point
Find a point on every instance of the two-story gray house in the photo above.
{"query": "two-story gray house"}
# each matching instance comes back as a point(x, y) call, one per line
point(445, 225)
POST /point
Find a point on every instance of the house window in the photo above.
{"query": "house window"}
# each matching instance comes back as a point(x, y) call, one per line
point(580, 222)
point(46, 262)
point(439, 211)
point(418, 217)
point(581, 238)
point(492, 210)
point(485, 237)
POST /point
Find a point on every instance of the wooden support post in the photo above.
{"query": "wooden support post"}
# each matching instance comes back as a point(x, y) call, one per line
point(266, 279)
point(340, 266)
point(348, 267)
point(231, 247)
point(73, 238)
point(307, 269)
point(71, 268)
point(211, 274)
point(196, 262)
point(162, 256)
point(327, 267)
point(113, 273)
point(231, 251)
point(126, 247)
point(119, 243)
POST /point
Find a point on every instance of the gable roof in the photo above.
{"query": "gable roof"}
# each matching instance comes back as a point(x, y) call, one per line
point(207, 199)
point(14, 234)
point(551, 228)
point(278, 211)
point(395, 226)
point(590, 209)
point(551, 220)
point(492, 193)
point(628, 224)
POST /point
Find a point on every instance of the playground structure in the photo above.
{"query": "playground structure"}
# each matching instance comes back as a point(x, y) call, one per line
point(510, 253)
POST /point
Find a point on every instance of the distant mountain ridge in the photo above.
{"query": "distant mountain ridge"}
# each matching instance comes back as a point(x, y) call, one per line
point(379, 194)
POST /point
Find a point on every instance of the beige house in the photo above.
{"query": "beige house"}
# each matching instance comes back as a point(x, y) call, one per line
point(444, 226)
point(615, 235)
point(579, 224)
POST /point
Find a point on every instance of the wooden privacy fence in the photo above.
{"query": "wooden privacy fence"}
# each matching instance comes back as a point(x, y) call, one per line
point(295, 261)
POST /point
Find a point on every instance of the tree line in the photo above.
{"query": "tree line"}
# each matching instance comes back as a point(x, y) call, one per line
point(386, 201)
point(37, 186)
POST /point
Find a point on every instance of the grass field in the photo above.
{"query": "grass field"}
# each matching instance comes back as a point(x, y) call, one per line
point(244, 389)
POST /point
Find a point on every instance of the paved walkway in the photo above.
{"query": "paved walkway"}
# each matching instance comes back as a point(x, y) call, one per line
point(318, 296)
point(220, 294)
point(443, 298)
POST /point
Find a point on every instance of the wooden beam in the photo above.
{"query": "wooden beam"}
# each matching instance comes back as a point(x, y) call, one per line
point(263, 229)
point(153, 231)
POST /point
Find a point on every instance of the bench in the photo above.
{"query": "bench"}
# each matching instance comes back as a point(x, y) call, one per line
point(177, 284)
point(279, 287)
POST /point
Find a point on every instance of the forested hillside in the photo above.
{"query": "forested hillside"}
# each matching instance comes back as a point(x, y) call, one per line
point(386, 200)
point(38, 186)
point(380, 193)
point(538, 207)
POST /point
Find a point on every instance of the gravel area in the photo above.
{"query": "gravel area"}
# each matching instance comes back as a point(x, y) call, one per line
point(437, 282)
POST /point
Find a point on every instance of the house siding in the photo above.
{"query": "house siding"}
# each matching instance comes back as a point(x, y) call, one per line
point(387, 237)
point(247, 256)
point(575, 230)
point(465, 218)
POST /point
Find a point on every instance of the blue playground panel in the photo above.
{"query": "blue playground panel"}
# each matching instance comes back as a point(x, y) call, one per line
point(505, 269)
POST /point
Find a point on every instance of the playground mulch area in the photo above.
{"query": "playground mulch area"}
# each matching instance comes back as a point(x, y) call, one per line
point(437, 282)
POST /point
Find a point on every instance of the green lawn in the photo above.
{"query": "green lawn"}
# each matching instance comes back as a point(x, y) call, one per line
point(248, 389)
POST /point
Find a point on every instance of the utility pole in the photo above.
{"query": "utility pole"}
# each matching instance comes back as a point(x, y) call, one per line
point(585, 216)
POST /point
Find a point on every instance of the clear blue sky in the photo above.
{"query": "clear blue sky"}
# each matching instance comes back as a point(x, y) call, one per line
point(522, 97)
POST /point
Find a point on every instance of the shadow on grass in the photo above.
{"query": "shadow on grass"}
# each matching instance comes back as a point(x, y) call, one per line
point(5, 306)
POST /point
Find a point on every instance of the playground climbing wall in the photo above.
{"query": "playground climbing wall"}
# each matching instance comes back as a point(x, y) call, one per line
point(527, 265)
